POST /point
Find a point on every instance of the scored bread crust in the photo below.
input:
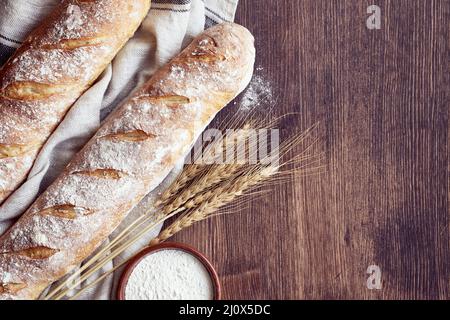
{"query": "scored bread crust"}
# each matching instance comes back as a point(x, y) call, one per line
point(54, 66)
point(128, 157)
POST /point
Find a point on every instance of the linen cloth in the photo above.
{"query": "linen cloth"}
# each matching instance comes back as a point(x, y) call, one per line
point(168, 28)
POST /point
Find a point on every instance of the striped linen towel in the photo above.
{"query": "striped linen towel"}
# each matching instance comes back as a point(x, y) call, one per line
point(170, 26)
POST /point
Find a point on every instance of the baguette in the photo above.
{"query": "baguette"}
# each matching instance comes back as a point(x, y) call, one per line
point(51, 70)
point(128, 157)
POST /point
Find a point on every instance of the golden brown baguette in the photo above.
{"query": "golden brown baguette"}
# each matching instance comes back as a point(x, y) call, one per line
point(53, 67)
point(129, 156)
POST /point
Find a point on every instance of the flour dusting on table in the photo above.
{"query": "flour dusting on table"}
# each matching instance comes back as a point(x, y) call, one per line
point(258, 94)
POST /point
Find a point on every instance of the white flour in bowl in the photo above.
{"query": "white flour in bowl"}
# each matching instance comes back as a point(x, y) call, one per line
point(169, 275)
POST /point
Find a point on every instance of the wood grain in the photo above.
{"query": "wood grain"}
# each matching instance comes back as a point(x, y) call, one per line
point(381, 97)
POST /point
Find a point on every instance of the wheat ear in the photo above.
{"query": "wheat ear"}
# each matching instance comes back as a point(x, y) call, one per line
point(209, 202)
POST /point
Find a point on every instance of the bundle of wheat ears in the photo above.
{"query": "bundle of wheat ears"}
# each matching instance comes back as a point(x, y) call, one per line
point(200, 192)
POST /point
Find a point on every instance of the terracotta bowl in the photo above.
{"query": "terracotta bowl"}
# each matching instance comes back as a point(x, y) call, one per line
point(168, 246)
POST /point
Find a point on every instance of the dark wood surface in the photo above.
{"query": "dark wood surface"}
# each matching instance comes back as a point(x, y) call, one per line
point(381, 97)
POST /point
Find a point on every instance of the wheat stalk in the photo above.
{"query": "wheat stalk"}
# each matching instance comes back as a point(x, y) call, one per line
point(201, 207)
point(188, 175)
point(196, 194)
point(210, 175)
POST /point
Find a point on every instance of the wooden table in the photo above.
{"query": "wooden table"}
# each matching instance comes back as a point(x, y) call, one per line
point(381, 97)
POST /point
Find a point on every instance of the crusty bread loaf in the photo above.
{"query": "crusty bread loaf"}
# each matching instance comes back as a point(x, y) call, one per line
point(128, 157)
point(53, 67)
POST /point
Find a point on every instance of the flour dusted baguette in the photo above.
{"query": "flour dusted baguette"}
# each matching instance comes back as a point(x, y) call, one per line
point(53, 67)
point(128, 157)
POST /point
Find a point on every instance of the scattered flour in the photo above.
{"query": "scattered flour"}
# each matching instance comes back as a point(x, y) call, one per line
point(169, 275)
point(75, 17)
point(5, 277)
point(40, 238)
point(258, 92)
